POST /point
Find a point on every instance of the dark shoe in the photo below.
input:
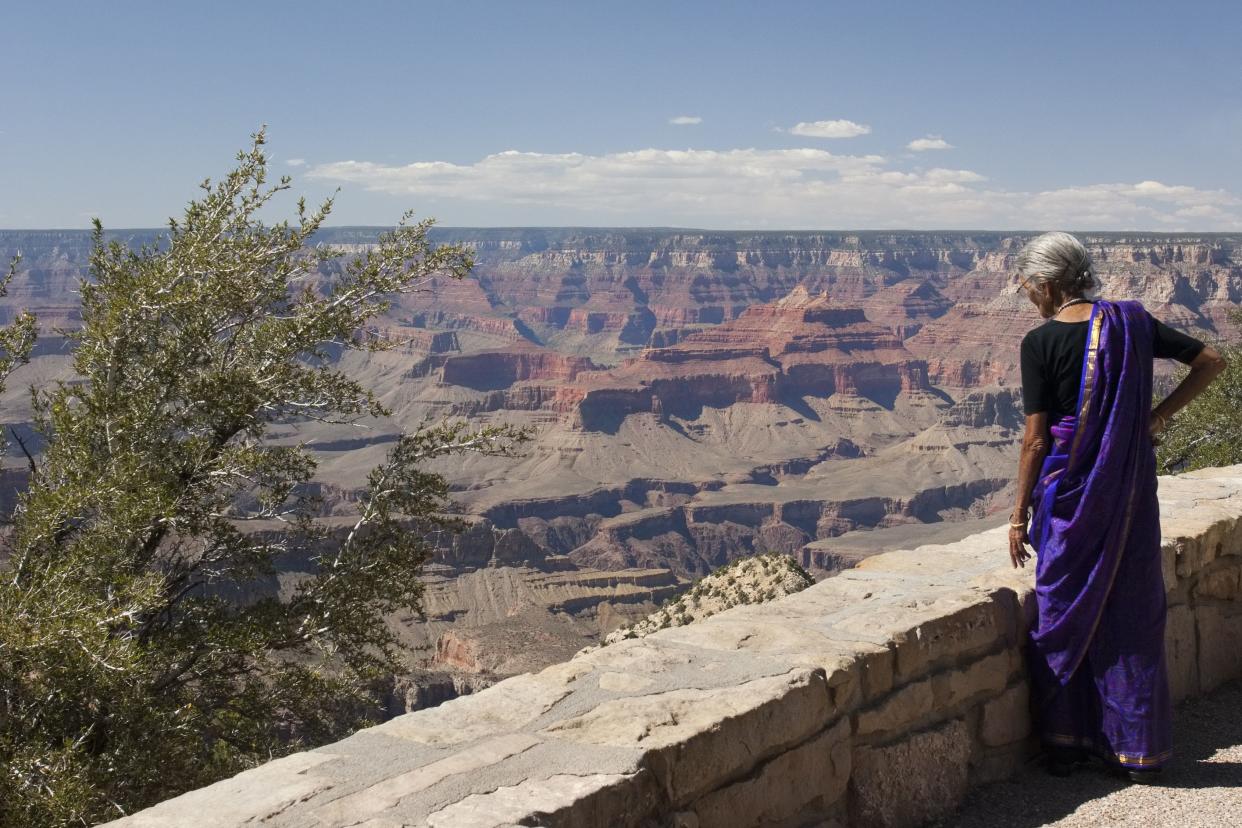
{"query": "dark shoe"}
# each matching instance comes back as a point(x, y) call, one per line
point(1144, 777)
point(1061, 759)
point(1056, 767)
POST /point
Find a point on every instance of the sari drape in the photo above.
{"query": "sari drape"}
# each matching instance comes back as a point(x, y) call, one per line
point(1097, 649)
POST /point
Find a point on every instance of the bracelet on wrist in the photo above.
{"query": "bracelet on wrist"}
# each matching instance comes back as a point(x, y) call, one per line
point(1021, 525)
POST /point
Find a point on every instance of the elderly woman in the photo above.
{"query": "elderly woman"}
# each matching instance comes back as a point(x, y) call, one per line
point(1087, 475)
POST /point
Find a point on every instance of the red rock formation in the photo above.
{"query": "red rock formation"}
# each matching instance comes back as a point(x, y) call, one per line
point(500, 369)
point(458, 652)
point(800, 345)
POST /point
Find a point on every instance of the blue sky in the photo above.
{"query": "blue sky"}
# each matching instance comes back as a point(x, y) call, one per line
point(1078, 115)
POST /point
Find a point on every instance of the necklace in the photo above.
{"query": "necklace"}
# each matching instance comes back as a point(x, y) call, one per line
point(1076, 301)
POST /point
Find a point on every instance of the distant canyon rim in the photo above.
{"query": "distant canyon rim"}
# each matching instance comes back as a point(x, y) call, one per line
point(696, 396)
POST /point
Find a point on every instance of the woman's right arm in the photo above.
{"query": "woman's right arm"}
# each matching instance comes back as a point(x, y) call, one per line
point(1205, 368)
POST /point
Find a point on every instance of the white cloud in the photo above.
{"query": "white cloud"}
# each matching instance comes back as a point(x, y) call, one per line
point(784, 188)
point(829, 129)
point(685, 120)
point(296, 162)
point(931, 142)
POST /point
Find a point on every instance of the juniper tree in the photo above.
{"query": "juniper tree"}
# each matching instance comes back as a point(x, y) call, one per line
point(1208, 432)
point(130, 670)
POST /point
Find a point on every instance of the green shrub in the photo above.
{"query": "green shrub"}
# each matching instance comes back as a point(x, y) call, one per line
point(1208, 432)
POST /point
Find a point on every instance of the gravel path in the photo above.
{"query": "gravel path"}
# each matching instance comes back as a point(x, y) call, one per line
point(1202, 786)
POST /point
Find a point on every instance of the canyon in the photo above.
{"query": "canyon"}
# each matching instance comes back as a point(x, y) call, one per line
point(695, 396)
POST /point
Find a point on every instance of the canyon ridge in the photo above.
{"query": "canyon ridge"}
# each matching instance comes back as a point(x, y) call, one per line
point(695, 397)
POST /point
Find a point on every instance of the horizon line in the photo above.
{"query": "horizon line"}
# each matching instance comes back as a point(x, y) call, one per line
point(659, 228)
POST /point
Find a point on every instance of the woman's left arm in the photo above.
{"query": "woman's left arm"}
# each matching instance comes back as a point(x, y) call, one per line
point(1034, 450)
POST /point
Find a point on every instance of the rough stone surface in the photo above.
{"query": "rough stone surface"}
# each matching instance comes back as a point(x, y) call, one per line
point(268, 790)
point(1181, 649)
point(558, 801)
point(956, 689)
point(908, 783)
point(905, 677)
point(1006, 718)
point(1220, 582)
point(812, 773)
point(695, 738)
point(1220, 631)
point(898, 712)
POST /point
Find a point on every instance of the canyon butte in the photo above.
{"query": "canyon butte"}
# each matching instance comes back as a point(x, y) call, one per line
point(695, 397)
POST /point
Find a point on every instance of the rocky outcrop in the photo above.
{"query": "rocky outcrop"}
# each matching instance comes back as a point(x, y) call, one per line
point(745, 581)
point(694, 538)
point(987, 407)
point(875, 698)
point(485, 370)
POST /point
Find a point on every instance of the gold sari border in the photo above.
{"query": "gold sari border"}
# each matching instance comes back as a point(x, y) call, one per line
point(1088, 383)
point(1141, 760)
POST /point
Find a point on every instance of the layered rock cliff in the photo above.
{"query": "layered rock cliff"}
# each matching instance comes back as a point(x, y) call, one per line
point(696, 397)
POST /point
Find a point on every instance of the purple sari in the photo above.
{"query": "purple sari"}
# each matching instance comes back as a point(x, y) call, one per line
point(1097, 649)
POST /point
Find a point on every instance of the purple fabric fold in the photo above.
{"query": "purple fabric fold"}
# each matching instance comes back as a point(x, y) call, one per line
point(1097, 649)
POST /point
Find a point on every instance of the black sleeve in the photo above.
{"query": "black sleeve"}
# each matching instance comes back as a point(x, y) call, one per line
point(1036, 392)
point(1173, 344)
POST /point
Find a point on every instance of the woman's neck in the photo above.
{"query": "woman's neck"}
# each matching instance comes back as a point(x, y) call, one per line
point(1074, 309)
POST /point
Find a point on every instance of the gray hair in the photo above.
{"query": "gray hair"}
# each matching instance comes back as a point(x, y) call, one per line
point(1060, 259)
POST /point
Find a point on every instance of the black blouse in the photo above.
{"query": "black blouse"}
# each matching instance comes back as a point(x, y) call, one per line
point(1052, 357)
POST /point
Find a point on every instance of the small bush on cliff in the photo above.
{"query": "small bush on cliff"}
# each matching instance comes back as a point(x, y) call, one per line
point(130, 668)
point(1208, 432)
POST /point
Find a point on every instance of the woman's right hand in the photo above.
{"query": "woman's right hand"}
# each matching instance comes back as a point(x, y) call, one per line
point(1018, 541)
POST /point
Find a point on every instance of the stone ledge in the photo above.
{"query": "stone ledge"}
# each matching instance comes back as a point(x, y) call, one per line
point(817, 707)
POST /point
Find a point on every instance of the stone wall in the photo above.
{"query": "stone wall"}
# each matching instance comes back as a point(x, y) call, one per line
point(874, 698)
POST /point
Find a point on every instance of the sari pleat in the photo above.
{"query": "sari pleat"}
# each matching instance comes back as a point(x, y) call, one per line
point(1097, 649)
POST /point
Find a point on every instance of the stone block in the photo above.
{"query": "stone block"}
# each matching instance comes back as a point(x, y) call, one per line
point(559, 801)
point(813, 774)
point(993, 764)
point(878, 665)
point(734, 630)
point(1168, 564)
point(1006, 718)
point(624, 682)
point(1187, 556)
point(268, 789)
point(902, 709)
point(855, 669)
point(1220, 630)
point(945, 564)
point(506, 706)
point(862, 673)
point(1208, 531)
point(1221, 580)
point(388, 793)
point(911, 782)
point(1181, 653)
point(960, 627)
point(959, 688)
point(929, 634)
point(694, 739)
